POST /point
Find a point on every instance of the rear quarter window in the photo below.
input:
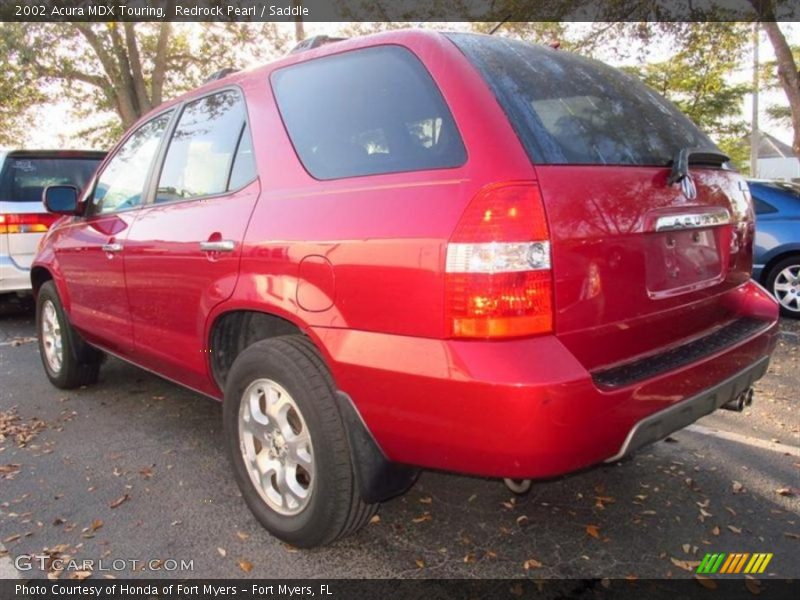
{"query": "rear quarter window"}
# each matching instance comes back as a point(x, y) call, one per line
point(366, 112)
point(567, 109)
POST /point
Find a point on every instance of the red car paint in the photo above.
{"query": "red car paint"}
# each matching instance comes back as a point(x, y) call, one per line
point(358, 265)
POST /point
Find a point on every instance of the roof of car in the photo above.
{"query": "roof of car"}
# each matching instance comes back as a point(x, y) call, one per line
point(400, 36)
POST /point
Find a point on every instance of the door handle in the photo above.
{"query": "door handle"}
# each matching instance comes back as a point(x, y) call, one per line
point(218, 246)
point(114, 247)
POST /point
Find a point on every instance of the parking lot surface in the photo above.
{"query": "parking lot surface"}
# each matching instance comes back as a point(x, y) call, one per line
point(133, 469)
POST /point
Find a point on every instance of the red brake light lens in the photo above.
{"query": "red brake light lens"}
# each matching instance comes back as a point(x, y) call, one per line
point(499, 282)
point(26, 223)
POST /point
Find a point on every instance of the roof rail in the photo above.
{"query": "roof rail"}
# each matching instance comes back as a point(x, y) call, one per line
point(221, 73)
point(315, 42)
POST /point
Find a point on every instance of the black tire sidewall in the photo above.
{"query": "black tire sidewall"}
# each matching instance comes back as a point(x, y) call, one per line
point(308, 527)
point(68, 360)
point(773, 275)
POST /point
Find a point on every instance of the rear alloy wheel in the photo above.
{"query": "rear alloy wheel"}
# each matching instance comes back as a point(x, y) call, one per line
point(68, 361)
point(288, 444)
point(784, 283)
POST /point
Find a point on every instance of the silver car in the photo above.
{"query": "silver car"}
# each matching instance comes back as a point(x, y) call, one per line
point(23, 219)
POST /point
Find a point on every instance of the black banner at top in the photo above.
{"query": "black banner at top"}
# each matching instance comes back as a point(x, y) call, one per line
point(416, 11)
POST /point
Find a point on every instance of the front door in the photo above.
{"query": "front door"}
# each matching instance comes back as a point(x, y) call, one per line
point(182, 253)
point(90, 251)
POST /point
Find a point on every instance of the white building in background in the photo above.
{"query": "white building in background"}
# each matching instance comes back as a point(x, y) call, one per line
point(776, 159)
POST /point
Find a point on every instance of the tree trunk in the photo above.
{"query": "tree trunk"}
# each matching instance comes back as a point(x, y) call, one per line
point(788, 76)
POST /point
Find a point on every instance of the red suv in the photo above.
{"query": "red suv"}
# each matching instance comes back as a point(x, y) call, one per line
point(413, 250)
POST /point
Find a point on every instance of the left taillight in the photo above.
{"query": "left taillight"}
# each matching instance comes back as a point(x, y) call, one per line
point(498, 279)
point(26, 222)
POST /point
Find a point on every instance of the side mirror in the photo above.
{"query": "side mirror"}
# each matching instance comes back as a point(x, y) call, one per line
point(61, 199)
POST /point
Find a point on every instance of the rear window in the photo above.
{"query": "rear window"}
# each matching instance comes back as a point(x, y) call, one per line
point(366, 112)
point(24, 179)
point(567, 109)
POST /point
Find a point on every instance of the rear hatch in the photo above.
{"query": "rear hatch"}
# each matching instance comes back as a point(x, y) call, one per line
point(23, 177)
point(640, 261)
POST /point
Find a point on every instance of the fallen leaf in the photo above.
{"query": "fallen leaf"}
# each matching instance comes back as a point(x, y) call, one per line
point(522, 520)
point(686, 548)
point(242, 535)
point(96, 524)
point(426, 500)
point(734, 529)
point(531, 563)
point(738, 488)
point(420, 563)
point(375, 520)
point(593, 531)
point(706, 582)
point(80, 575)
point(245, 565)
point(686, 565)
point(470, 558)
point(12, 538)
point(119, 501)
point(791, 536)
point(784, 492)
point(422, 518)
point(222, 552)
point(753, 585)
point(146, 472)
point(715, 531)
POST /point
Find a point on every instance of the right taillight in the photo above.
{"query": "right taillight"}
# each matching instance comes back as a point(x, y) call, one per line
point(499, 281)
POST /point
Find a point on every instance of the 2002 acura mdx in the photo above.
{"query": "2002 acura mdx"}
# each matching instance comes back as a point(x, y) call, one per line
point(413, 250)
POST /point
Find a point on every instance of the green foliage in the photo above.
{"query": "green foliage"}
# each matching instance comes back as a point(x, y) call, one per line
point(697, 80)
point(119, 69)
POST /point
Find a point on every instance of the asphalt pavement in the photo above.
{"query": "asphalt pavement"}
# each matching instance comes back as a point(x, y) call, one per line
point(132, 471)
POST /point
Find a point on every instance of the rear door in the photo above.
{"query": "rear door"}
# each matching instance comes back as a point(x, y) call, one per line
point(639, 263)
point(90, 249)
point(23, 177)
point(182, 253)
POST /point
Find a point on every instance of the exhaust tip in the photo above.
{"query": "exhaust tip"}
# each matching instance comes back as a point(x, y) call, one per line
point(742, 400)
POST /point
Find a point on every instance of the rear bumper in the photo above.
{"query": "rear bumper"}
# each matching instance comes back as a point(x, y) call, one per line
point(527, 408)
point(13, 278)
point(659, 425)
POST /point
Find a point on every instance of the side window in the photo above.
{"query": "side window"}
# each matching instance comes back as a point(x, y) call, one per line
point(762, 208)
point(366, 112)
point(121, 184)
point(201, 153)
point(244, 163)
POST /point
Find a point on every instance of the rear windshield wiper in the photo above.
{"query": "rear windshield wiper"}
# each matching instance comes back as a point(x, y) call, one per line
point(685, 156)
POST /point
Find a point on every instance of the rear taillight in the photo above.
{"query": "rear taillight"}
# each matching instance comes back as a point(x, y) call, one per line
point(498, 277)
point(26, 223)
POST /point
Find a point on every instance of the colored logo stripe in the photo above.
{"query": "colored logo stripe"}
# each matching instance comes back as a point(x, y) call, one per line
point(734, 563)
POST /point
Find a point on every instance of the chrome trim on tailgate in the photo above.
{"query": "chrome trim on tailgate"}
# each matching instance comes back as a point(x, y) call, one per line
point(693, 220)
point(659, 425)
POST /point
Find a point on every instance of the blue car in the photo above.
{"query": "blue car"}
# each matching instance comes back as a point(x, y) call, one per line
point(776, 264)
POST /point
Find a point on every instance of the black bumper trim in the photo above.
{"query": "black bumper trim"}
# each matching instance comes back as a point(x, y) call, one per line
point(659, 425)
point(680, 356)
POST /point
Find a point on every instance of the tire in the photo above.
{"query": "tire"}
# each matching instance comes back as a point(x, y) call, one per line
point(783, 282)
point(323, 503)
point(79, 363)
